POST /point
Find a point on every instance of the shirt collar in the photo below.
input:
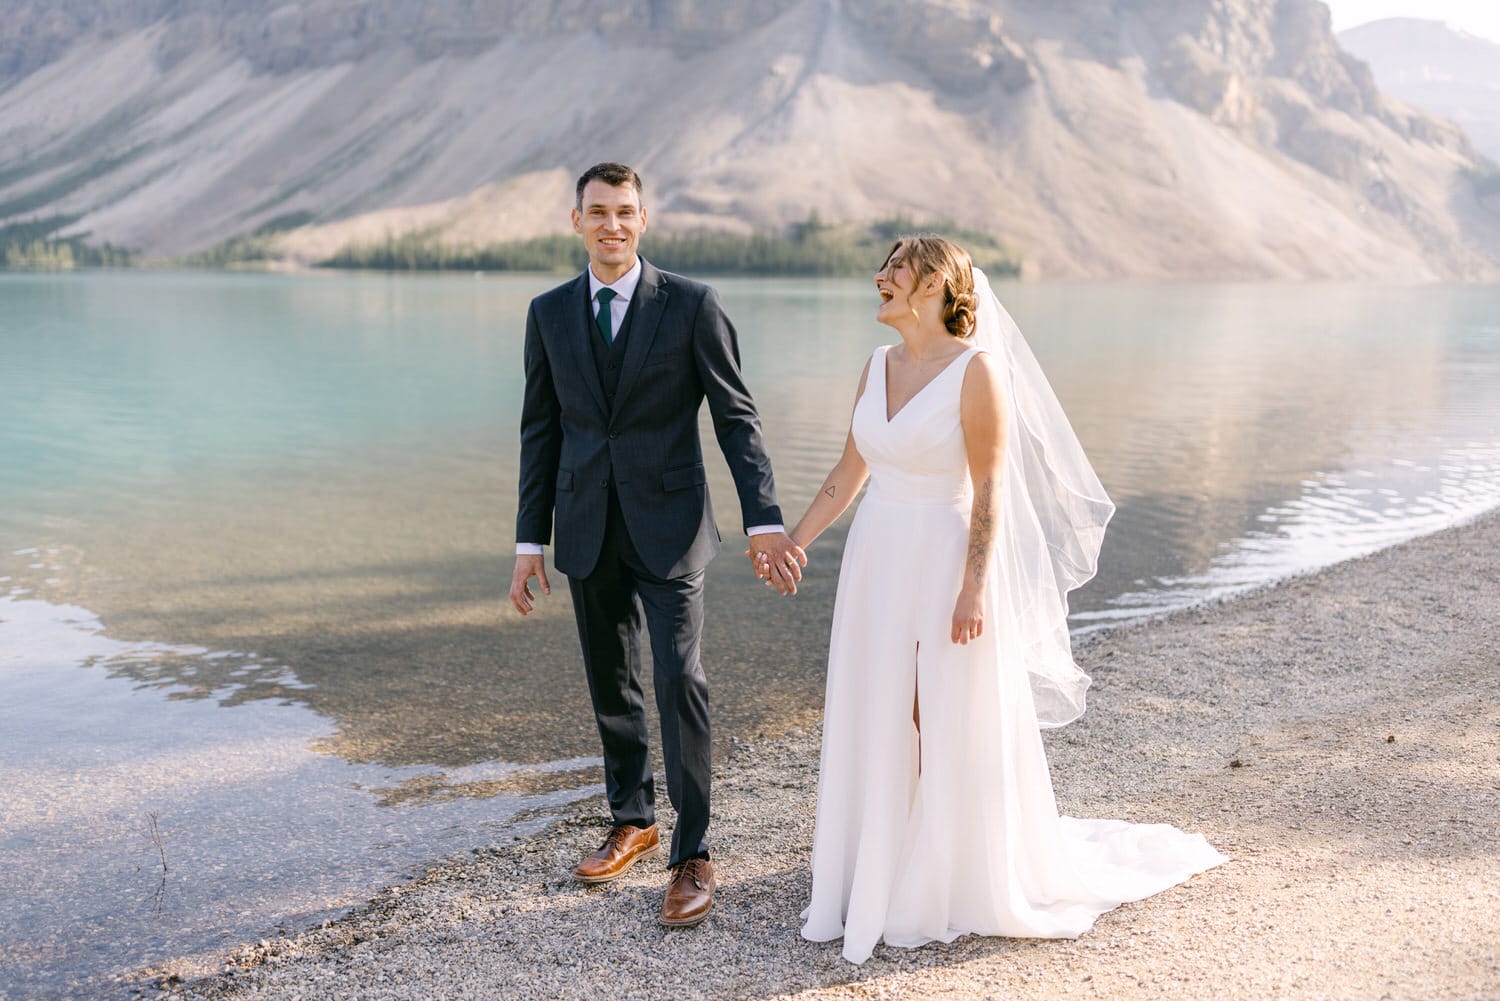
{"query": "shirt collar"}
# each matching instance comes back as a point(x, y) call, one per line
point(624, 286)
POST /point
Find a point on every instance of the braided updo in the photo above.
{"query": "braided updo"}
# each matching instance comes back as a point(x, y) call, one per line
point(927, 253)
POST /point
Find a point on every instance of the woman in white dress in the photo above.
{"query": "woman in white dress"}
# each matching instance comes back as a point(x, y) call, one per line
point(949, 648)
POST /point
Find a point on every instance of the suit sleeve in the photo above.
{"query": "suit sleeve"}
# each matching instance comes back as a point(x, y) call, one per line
point(541, 441)
point(736, 422)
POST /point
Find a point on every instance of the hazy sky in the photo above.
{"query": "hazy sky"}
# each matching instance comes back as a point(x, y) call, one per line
point(1477, 17)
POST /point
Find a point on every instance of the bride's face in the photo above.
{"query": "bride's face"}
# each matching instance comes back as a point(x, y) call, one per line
point(895, 283)
point(900, 294)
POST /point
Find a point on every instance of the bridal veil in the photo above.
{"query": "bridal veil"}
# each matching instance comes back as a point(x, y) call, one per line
point(1053, 511)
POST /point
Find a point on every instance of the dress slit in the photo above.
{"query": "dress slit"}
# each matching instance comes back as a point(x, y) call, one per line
point(916, 702)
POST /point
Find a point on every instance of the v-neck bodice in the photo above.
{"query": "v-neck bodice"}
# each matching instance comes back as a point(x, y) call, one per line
point(918, 455)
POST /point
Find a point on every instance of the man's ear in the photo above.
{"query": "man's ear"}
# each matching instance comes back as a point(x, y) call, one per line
point(577, 221)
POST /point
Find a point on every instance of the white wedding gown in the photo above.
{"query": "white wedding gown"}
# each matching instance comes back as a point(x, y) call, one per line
point(953, 831)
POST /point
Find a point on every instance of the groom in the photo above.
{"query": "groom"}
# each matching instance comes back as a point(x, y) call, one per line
point(618, 363)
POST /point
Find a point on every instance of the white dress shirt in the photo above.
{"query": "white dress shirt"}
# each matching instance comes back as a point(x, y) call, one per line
point(624, 289)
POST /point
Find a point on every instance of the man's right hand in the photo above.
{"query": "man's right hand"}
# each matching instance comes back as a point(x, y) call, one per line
point(777, 560)
point(528, 567)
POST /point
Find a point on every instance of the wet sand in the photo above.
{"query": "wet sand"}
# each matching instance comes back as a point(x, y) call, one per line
point(1337, 736)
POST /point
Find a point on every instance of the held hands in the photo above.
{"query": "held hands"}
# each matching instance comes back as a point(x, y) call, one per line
point(968, 615)
point(777, 560)
point(520, 582)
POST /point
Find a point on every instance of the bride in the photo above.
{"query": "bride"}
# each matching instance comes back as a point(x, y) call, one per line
point(950, 648)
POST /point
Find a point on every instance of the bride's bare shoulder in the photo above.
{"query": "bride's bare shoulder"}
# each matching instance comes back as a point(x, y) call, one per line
point(981, 386)
point(981, 365)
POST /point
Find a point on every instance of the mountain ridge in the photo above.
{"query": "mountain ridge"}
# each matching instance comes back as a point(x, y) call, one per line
point(1114, 138)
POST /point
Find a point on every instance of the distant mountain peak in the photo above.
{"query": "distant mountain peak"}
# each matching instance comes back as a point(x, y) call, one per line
point(1420, 24)
point(1437, 68)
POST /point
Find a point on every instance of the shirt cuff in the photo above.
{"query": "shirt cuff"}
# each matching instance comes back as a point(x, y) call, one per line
point(530, 549)
point(764, 529)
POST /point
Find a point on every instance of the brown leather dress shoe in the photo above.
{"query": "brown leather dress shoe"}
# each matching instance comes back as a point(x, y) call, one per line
point(690, 895)
point(623, 847)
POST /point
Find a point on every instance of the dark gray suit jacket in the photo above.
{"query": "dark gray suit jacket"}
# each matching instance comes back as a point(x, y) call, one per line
point(681, 349)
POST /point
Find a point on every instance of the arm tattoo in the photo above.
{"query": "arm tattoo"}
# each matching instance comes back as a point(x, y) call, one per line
point(832, 490)
point(981, 529)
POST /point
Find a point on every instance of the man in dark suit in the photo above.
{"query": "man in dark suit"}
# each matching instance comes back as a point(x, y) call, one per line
point(618, 363)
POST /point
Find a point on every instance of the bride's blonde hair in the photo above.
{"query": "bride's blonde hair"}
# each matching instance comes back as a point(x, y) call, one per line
point(928, 253)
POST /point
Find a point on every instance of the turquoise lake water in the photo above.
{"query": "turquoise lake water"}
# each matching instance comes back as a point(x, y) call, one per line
point(255, 537)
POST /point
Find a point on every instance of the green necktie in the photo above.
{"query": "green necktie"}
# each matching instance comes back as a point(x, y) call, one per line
point(602, 319)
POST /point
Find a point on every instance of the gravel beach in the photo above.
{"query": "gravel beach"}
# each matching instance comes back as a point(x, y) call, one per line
point(1337, 736)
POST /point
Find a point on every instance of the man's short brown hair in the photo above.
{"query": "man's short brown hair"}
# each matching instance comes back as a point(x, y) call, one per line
point(613, 174)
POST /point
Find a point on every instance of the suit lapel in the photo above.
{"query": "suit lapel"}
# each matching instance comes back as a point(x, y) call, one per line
point(576, 331)
point(651, 300)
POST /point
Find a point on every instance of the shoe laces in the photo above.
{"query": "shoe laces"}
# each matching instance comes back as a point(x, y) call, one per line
point(693, 869)
point(613, 839)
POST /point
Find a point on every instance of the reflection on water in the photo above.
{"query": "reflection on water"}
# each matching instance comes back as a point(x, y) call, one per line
point(1249, 433)
point(1335, 518)
point(290, 500)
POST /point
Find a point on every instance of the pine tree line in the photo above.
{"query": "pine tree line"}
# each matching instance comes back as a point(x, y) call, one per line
point(810, 248)
point(30, 246)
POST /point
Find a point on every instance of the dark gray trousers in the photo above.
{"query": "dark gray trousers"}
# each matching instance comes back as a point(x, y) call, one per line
point(608, 606)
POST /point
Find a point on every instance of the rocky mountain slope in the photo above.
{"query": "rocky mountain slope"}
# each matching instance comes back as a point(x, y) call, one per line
point(1100, 138)
point(1433, 67)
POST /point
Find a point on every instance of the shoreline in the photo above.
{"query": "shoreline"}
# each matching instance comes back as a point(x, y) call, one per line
point(1335, 734)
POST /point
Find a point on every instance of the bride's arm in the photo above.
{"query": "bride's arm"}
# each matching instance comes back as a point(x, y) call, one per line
point(834, 496)
point(838, 490)
point(983, 418)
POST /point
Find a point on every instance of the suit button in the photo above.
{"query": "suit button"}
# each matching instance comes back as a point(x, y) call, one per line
point(614, 434)
point(604, 484)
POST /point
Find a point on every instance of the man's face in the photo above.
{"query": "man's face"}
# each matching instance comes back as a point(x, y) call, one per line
point(611, 221)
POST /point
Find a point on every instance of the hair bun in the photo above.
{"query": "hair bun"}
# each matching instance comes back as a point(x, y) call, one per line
point(961, 313)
